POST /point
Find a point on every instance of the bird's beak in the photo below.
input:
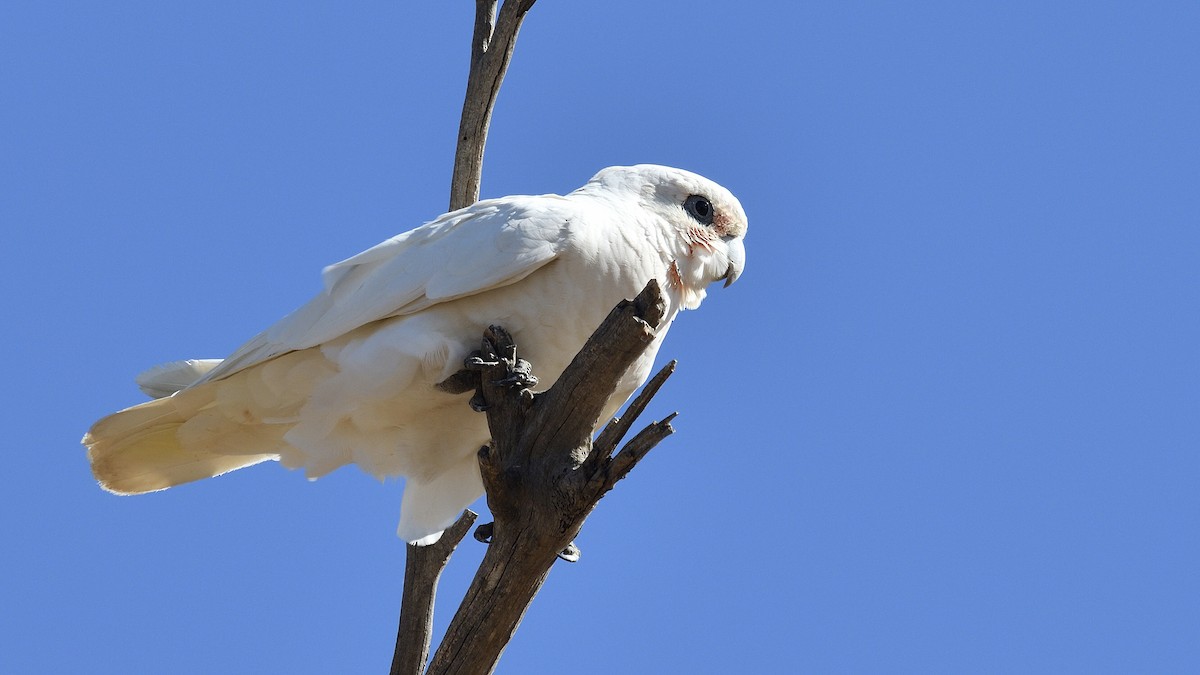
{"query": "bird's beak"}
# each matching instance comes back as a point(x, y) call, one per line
point(737, 261)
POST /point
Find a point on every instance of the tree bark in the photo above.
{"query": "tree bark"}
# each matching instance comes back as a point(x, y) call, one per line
point(423, 567)
point(492, 44)
point(542, 472)
point(491, 50)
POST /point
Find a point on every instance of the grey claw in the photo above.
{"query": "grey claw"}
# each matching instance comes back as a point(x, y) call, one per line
point(518, 379)
point(477, 362)
point(521, 375)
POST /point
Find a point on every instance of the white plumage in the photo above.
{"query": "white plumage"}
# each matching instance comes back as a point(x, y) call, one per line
point(350, 377)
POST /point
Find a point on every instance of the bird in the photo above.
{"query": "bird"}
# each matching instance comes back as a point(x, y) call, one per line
point(352, 376)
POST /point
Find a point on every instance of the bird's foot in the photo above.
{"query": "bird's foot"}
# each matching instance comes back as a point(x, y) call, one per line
point(571, 553)
point(520, 375)
point(476, 362)
point(484, 534)
point(497, 353)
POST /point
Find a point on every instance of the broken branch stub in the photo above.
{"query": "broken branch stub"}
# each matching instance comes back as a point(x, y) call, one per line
point(542, 473)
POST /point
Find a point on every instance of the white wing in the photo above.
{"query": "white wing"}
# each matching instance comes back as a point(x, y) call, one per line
point(490, 244)
point(167, 378)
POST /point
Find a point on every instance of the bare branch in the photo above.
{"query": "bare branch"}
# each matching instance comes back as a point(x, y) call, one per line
point(606, 443)
point(491, 50)
point(581, 393)
point(492, 44)
point(541, 472)
point(534, 472)
point(637, 448)
point(422, 569)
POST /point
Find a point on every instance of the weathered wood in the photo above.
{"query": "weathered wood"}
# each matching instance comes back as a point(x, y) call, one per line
point(423, 567)
point(492, 43)
point(491, 50)
point(542, 474)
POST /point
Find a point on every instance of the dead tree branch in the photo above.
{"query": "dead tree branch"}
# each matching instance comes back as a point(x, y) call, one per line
point(542, 472)
point(491, 50)
point(492, 44)
point(423, 567)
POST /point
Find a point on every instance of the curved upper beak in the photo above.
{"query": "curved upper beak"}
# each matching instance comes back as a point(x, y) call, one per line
point(737, 261)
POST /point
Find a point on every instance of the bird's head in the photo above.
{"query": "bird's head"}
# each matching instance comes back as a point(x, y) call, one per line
point(705, 224)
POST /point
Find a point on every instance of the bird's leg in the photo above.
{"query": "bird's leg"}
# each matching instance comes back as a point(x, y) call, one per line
point(468, 378)
point(472, 374)
point(459, 383)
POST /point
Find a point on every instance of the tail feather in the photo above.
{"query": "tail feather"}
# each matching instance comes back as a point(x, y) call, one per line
point(138, 449)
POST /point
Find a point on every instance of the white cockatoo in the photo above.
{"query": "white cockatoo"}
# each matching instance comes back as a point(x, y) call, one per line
point(350, 377)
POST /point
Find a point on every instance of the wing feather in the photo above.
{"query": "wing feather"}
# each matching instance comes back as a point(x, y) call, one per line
point(490, 244)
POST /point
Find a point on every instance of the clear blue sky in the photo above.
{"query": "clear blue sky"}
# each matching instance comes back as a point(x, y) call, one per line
point(946, 422)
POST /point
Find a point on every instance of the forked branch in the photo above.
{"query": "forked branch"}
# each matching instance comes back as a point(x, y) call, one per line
point(542, 474)
point(492, 44)
point(423, 567)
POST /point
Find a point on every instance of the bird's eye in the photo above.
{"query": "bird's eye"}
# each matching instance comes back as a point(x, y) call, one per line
point(699, 208)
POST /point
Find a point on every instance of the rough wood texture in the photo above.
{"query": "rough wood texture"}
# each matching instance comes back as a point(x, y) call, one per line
point(492, 44)
point(543, 473)
point(491, 50)
point(422, 568)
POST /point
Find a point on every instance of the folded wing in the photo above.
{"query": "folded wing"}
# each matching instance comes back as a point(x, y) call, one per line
point(490, 244)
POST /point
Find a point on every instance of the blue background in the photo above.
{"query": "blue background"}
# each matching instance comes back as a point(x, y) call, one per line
point(946, 422)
